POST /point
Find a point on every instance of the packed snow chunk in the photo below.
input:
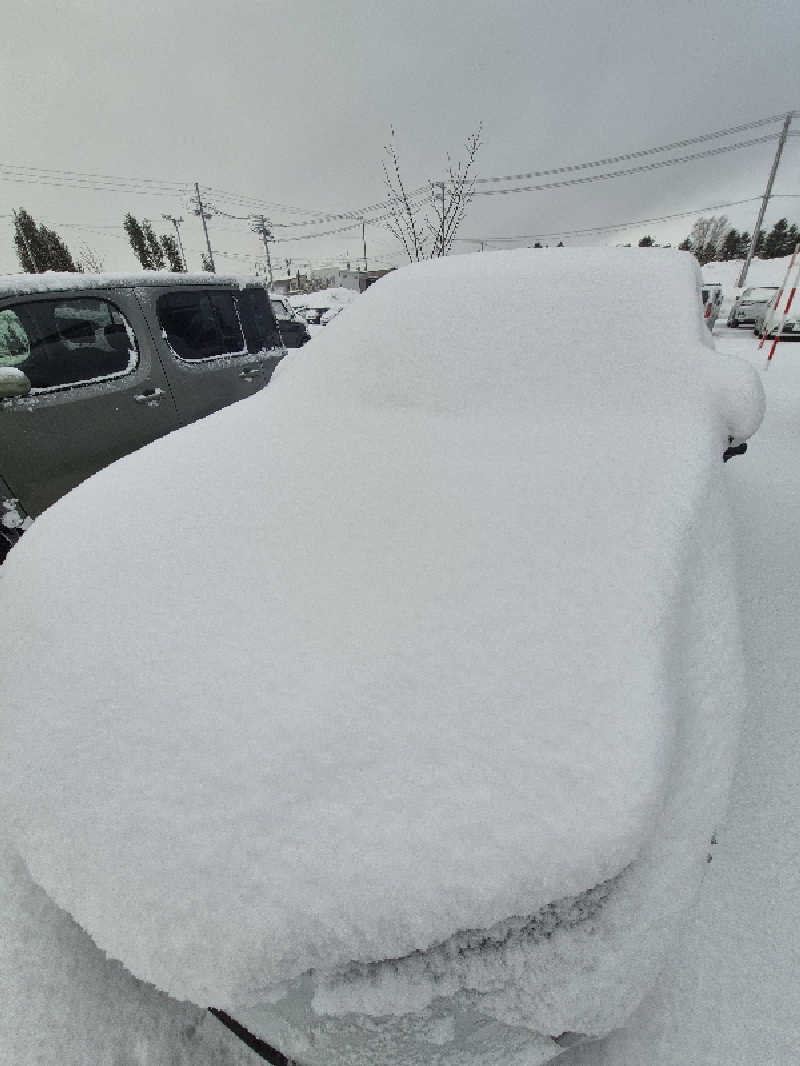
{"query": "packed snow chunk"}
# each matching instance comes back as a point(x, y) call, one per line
point(393, 650)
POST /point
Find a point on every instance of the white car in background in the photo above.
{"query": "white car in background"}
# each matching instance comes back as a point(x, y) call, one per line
point(749, 304)
point(787, 321)
point(319, 308)
point(418, 760)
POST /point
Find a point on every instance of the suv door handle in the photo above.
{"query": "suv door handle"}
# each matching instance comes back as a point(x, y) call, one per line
point(149, 397)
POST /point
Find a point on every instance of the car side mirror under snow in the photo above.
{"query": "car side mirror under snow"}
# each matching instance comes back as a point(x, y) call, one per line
point(13, 382)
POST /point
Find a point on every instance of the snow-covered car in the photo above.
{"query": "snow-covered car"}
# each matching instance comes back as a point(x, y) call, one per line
point(416, 759)
point(319, 308)
point(750, 303)
point(292, 326)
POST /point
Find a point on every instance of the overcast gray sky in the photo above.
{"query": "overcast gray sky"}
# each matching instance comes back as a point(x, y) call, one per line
point(289, 106)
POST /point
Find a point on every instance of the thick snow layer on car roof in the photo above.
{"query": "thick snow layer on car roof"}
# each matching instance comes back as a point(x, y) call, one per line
point(385, 652)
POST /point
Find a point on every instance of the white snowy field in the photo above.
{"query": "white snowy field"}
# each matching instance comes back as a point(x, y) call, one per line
point(728, 996)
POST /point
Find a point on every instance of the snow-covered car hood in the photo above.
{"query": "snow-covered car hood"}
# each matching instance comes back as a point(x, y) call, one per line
point(382, 653)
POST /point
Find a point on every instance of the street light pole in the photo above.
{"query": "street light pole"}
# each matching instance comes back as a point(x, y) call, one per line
point(765, 200)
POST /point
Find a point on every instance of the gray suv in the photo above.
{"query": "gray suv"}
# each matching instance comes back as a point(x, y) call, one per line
point(93, 367)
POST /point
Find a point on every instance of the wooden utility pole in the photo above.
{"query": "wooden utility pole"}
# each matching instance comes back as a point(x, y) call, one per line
point(203, 216)
point(176, 222)
point(765, 200)
point(261, 226)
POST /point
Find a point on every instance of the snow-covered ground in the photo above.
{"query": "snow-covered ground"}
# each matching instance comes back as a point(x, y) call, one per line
point(731, 995)
point(728, 997)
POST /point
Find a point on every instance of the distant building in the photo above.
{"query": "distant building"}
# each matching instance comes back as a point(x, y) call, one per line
point(359, 280)
point(328, 278)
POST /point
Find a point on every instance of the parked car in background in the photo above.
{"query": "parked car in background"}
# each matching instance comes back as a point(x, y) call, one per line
point(292, 326)
point(318, 308)
point(790, 326)
point(413, 711)
point(711, 297)
point(749, 303)
point(93, 367)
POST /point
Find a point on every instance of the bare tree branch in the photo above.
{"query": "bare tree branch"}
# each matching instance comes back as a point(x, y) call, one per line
point(433, 236)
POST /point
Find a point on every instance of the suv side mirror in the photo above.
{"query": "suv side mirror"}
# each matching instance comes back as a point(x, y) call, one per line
point(13, 382)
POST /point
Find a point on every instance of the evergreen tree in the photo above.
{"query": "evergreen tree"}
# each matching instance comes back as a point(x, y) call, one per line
point(207, 266)
point(154, 249)
point(39, 248)
point(777, 239)
point(172, 252)
point(759, 252)
point(744, 245)
point(792, 239)
point(149, 249)
point(138, 241)
point(685, 245)
point(647, 242)
point(730, 246)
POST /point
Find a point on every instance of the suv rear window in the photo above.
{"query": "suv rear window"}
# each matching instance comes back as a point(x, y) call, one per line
point(206, 325)
point(258, 319)
point(67, 342)
point(201, 325)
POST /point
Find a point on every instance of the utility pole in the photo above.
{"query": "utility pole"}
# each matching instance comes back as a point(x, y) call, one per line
point(364, 242)
point(203, 216)
point(176, 223)
point(260, 226)
point(28, 248)
point(764, 202)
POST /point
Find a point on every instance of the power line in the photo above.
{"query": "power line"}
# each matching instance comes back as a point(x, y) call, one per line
point(629, 170)
point(637, 154)
point(90, 176)
point(602, 229)
point(414, 194)
point(153, 186)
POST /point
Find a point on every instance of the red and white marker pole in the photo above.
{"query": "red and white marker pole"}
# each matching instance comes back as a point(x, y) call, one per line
point(778, 296)
point(792, 291)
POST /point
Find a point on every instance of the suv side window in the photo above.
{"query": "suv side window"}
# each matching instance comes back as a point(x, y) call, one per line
point(258, 319)
point(201, 325)
point(59, 343)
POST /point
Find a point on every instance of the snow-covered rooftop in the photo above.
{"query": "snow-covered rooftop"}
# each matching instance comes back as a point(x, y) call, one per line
point(58, 281)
